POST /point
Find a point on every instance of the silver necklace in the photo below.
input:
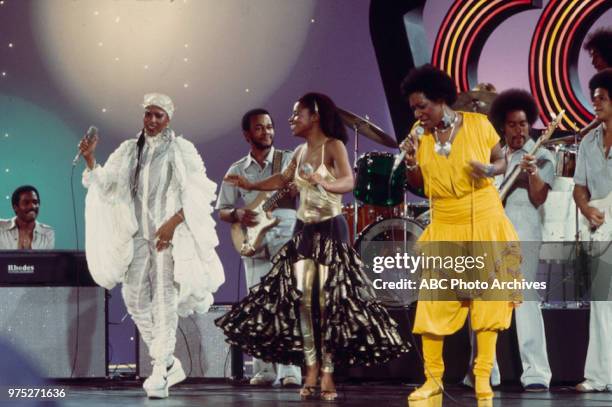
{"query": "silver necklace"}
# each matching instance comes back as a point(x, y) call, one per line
point(445, 149)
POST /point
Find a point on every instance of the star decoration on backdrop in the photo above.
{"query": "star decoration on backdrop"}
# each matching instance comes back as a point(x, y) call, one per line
point(188, 67)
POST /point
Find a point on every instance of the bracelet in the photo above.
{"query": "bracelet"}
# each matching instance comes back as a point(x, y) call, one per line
point(412, 167)
point(490, 170)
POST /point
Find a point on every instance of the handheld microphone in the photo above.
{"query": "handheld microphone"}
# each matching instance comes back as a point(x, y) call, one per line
point(307, 169)
point(417, 131)
point(91, 132)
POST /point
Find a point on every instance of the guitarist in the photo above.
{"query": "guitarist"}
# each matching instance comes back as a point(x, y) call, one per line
point(259, 164)
point(593, 180)
point(512, 114)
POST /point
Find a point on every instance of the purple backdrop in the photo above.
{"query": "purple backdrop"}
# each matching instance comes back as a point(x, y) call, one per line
point(336, 58)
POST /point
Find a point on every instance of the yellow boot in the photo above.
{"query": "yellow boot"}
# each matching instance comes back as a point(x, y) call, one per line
point(487, 341)
point(430, 393)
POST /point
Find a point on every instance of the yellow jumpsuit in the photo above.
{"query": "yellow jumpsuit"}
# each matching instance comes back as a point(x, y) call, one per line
point(466, 210)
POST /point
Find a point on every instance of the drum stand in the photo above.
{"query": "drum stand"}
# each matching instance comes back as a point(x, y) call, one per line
point(355, 208)
point(577, 235)
point(577, 274)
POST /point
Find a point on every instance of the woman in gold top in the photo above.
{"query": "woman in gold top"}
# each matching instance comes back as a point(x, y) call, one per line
point(315, 307)
point(454, 159)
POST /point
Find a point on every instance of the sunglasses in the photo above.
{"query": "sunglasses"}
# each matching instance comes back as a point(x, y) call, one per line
point(158, 115)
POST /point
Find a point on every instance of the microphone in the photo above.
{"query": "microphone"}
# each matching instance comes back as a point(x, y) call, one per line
point(307, 169)
point(91, 132)
point(417, 131)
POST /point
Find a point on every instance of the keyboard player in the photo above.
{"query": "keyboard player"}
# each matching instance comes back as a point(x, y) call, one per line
point(23, 231)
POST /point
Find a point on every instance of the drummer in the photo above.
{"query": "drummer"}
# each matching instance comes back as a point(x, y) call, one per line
point(599, 46)
point(512, 114)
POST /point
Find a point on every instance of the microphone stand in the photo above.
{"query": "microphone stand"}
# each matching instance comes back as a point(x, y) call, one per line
point(355, 209)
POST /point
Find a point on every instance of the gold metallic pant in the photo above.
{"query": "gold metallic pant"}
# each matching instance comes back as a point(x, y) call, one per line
point(307, 274)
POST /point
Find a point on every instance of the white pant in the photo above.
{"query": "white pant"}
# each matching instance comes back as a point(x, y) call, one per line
point(598, 366)
point(529, 328)
point(255, 269)
point(151, 299)
point(530, 324)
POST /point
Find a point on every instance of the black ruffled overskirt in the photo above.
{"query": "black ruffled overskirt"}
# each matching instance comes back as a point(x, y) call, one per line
point(357, 329)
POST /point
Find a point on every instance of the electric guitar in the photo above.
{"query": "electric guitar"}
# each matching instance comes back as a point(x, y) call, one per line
point(599, 237)
point(248, 240)
point(511, 179)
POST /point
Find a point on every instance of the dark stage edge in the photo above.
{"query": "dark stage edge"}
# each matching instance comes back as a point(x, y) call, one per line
point(130, 393)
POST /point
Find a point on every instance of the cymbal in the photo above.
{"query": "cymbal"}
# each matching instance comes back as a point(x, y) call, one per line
point(366, 128)
point(475, 101)
point(562, 140)
point(559, 137)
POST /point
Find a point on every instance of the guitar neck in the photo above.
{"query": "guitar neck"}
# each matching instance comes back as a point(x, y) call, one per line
point(511, 179)
point(270, 203)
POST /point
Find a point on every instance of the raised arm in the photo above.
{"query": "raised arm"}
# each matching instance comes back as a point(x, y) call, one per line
point(274, 182)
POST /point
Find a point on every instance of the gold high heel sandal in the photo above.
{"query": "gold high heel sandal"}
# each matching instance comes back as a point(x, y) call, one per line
point(426, 396)
point(308, 392)
point(329, 395)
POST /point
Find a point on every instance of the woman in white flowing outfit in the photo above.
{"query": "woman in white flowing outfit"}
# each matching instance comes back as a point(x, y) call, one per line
point(149, 226)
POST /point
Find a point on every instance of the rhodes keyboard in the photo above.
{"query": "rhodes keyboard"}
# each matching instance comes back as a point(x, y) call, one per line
point(65, 268)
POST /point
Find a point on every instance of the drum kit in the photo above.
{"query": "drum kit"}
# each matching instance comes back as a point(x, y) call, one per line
point(559, 212)
point(380, 193)
point(382, 213)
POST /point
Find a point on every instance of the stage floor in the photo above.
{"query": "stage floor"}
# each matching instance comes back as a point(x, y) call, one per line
point(105, 394)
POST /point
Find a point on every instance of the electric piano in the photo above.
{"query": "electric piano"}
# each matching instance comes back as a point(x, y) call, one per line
point(46, 268)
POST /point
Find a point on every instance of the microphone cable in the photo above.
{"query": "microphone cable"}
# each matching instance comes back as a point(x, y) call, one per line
point(439, 383)
point(78, 283)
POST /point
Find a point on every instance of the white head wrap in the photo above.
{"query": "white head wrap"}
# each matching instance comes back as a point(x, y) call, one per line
point(160, 100)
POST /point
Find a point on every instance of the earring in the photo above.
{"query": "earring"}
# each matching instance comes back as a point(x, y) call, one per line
point(446, 120)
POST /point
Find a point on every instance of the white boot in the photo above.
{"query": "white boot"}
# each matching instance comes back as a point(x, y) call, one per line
point(162, 378)
point(156, 385)
point(175, 372)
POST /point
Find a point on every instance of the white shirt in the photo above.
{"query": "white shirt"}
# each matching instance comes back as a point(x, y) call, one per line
point(43, 236)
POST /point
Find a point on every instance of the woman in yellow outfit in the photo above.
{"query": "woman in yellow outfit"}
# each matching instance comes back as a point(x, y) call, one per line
point(453, 156)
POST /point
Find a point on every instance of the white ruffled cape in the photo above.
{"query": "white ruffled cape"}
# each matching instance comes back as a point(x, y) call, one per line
point(110, 223)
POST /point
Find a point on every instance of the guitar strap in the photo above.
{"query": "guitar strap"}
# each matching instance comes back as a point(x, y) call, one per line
point(277, 160)
point(286, 202)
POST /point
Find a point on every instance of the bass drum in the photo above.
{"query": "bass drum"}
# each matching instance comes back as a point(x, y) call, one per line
point(367, 215)
point(387, 238)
